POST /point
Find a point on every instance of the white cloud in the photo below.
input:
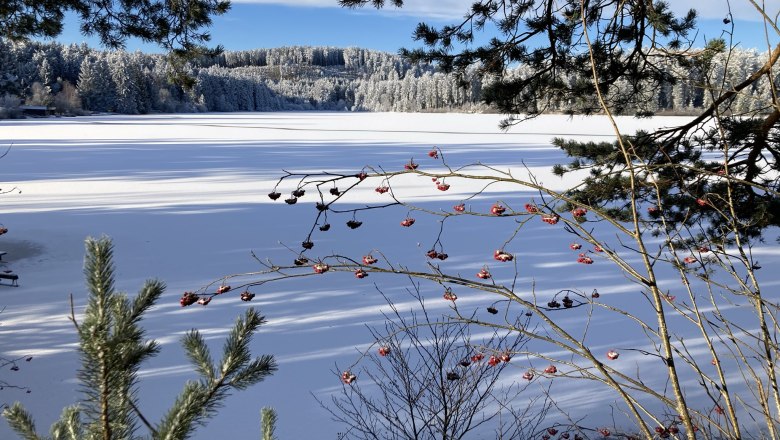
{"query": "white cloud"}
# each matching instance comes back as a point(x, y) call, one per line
point(453, 9)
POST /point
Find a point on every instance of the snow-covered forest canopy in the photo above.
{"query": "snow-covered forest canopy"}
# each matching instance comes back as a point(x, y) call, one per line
point(73, 78)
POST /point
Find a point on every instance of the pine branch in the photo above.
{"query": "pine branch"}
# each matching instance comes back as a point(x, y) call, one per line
point(21, 421)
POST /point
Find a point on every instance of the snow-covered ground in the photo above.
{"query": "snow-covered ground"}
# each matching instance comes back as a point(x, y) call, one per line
point(184, 198)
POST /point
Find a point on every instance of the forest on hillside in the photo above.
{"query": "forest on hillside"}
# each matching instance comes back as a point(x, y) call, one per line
point(76, 78)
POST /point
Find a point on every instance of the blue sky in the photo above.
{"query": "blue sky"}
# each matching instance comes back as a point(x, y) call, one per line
point(272, 23)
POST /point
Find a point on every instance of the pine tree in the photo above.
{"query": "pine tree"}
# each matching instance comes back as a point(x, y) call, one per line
point(268, 423)
point(113, 346)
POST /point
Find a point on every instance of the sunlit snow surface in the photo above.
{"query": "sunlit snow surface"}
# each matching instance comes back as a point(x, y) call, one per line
point(184, 198)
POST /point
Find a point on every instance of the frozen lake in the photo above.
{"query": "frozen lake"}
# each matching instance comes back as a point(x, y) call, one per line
point(184, 198)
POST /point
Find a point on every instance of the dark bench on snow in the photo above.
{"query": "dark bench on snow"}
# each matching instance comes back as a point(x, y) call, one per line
point(10, 276)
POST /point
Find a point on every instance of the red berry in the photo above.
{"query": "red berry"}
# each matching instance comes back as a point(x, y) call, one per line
point(291, 201)
point(567, 302)
point(552, 431)
point(274, 195)
point(369, 259)
point(553, 304)
point(528, 375)
point(442, 256)
point(300, 261)
point(188, 298)
point(492, 310)
point(670, 298)
point(384, 351)
point(382, 189)
point(443, 186)
point(222, 289)
point(354, 224)
point(704, 249)
point(579, 212)
point(689, 259)
point(714, 361)
point(598, 248)
point(432, 254)
point(307, 244)
point(502, 256)
point(674, 429)
point(320, 267)
point(493, 361)
point(449, 296)
point(325, 227)
point(459, 208)
point(407, 222)
point(652, 210)
point(411, 166)
point(451, 375)
point(361, 175)
point(299, 192)
point(360, 274)
point(204, 300)
point(497, 209)
point(605, 432)
point(464, 363)
point(433, 154)
point(483, 274)
point(584, 259)
point(595, 294)
point(575, 246)
point(551, 369)
point(335, 191)
point(718, 409)
point(477, 357)
point(701, 202)
point(505, 357)
point(247, 296)
point(347, 377)
point(550, 218)
point(612, 355)
point(321, 206)
point(531, 208)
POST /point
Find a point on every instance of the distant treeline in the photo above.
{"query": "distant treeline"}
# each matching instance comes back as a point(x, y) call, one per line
point(75, 78)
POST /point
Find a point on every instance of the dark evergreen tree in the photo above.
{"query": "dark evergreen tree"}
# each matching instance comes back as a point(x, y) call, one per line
point(175, 25)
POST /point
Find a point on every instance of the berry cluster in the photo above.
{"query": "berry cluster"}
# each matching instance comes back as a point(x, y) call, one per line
point(449, 296)
point(433, 255)
point(500, 255)
point(459, 207)
point(222, 289)
point(579, 212)
point(407, 222)
point(347, 377)
point(483, 274)
point(247, 295)
point(369, 259)
point(383, 351)
point(584, 259)
point(188, 298)
point(497, 209)
point(320, 268)
point(551, 218)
